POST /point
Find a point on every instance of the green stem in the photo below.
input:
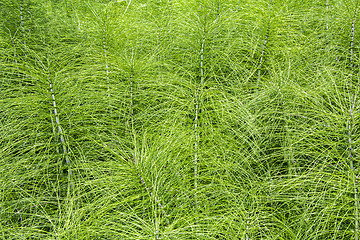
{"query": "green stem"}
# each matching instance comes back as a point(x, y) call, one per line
point(351, 127)
point(197, 110)
point(327, 17)
point(60, 132)
point(106, 60)
point(22, 21)
point(132, 96)
point(353, 170)
point(263, 50)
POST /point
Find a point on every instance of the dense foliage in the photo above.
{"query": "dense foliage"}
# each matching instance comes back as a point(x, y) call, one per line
point(173, 119)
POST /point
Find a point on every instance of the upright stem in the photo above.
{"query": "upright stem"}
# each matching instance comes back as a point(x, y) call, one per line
point(132, 96)
point(61, 135)
point(170, 10)
point(15, 55)
point(14, 48)
point(351, 127)
point(327, 13)
point(57, 120)
point(197, 110)
point(247, 229)
point(23, 32)
point(106, 60)
point(196, 141)
point(22, 21)
point(288, 149)
point(353, 170)
point(263, 49)
point(202, 59)
point(352, 44)
point(264, 44)
point(131, 112)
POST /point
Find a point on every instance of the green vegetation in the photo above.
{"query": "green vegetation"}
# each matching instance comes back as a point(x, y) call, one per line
point(173, 119)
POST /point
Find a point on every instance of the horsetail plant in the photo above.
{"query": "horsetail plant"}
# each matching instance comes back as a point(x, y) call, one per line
point(351, 128)
point(22, 22)
point(106, 60)
point(262, 55)
point(182, 119)
point(197, 110)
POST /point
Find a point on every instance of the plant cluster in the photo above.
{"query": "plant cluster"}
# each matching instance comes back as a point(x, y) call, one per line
point(173, 119)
